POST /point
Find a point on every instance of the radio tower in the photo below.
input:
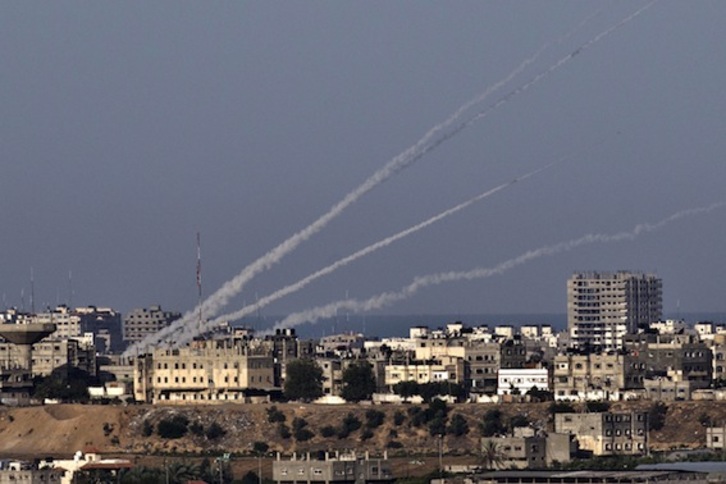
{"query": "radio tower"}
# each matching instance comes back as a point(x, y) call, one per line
point(199, 280)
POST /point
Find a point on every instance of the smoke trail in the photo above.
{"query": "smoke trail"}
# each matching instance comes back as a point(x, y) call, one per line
point(355, 256)
point(426, 144)
point(421, 282)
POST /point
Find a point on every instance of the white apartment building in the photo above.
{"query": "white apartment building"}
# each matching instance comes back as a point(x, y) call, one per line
point(602, 307)
point(518, 381)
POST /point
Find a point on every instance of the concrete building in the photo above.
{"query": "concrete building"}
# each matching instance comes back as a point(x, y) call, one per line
point(140, 323)
point(481, 364)
point(715, 438)
point(604, 306)
point(518, 381)
point(332, 468)
point(19, 472)
point(447, 369)
point(605, 433)
point(525, 450)
point(594, 376)
point(207, 371)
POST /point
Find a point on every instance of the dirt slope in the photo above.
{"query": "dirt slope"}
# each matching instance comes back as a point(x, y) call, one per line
point(60, 430)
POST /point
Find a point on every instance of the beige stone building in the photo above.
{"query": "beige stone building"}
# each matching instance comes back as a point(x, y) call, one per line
point(605, 433)
point(443, 369)
point(595, 376)
point(207, 371)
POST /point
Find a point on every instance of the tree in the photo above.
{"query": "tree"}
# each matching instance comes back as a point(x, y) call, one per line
point(406, 389)
point(492, 424)
point(359, 383)
point(491, 455)
point(458, 426)
point(657, 416)
point(174, 427)
point(303, 380)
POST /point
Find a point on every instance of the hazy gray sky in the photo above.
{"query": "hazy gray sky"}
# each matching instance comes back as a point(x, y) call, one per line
point(129, 126)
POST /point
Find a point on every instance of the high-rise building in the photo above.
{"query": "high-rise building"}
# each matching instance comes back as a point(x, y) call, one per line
point(602, 307)
point(140, 323)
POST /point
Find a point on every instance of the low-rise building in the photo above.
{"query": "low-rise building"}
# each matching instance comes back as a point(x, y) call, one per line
point(518, 381)
point(606, 433)
point(531, 451)
point(207, 371)
point(332, 468)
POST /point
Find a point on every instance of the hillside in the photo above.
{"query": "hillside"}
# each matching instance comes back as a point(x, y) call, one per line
point(59, 430)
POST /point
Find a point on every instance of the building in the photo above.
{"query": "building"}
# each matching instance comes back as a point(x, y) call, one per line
point(602, 307)
point(592, 376)
point(14, 472)
point(606, 433)
point(518, 381)
point(525, 450)
point(140, 323)
point(332, 468)
point(444, 369)
point(207, 371)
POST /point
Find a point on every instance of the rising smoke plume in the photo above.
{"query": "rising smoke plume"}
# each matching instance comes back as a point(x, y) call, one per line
point(388, 298)
point(429, 142)
point(302, 283)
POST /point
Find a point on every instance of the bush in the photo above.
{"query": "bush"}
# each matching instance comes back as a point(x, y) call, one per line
point(327, 431)
point(283, 431)
point(492, 424)
point(394, 444)
point(274, 415)
point(303, 434)
point(374, 418)
point(147, 429)
point(196, 428)
point(366, 434)
point(597, 406)
point(519, 421)
point(299, 424)
point(657, 416)
point(458, 426)
point(351, 423)
point(398, 418)
point(215, 431)
point(174, 427)
point(260, 448)
point(561, 407)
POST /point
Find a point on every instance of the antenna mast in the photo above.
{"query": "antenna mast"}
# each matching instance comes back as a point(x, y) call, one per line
point(199, 279)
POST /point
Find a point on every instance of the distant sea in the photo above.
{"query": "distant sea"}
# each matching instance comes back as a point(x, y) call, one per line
point(386, 326)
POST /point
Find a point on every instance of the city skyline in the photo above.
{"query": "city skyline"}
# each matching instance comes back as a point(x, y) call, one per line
point(130, 129)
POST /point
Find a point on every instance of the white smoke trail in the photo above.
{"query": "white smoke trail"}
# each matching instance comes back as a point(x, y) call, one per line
point(421, 282)
point(302, 283)
point(212, 305)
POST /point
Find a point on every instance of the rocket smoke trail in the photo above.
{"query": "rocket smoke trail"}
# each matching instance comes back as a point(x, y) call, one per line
point(430, 141)
point(421, 282)
point(250, 309)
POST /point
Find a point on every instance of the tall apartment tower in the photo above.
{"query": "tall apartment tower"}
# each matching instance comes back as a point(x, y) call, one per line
point(140, 323)
point(604, 306)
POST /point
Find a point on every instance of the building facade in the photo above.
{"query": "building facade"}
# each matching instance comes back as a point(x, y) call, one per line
point(140, 323)
point(602, 307)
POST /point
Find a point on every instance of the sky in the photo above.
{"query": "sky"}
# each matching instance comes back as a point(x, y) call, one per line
point(128, 127)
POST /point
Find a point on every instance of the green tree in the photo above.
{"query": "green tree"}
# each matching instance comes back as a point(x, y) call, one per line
point(491, 455)
point(657, 416)
point(492, 424)
point(457, 426)
point(303, 380)
point(406, 389)
point(215, 431)
point(174, 427)
point(359, 383)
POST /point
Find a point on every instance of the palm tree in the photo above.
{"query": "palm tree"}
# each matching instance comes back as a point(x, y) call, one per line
point(181, 472)
point(491, 455)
